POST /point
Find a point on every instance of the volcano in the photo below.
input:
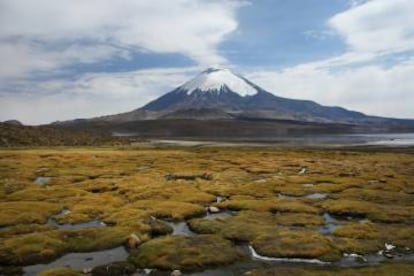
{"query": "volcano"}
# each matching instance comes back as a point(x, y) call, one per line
point(222, 97)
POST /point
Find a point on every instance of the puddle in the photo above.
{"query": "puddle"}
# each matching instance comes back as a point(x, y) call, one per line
point(329, 219)
point(353, 260)
point(257, 261)
point(302, 171)
point(65, 211)
point(284, 196)
point(222, 214)
point(309, 196)
point(220, 199)
point(42, 180)
point(349, 216)
point(67, 226)
point(316, 196)
point(238, 268)
point(80, 261)
point(180, 228)
point(308, 185)
point(330, 225)
point(256, 256)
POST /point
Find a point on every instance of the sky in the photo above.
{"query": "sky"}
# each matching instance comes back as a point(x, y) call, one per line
point(69, 59)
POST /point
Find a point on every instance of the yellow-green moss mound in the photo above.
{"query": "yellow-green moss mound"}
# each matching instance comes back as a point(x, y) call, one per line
point(296, 244)
point(60, 271)
point(185, 253)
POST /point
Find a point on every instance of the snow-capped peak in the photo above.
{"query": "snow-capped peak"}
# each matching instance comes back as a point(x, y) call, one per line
point(214, 79)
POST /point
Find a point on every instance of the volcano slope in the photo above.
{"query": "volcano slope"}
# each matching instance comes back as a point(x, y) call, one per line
point(312, 205)
point(220, 104)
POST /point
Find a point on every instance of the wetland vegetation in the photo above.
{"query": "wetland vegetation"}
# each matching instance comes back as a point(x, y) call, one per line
point(211, 210)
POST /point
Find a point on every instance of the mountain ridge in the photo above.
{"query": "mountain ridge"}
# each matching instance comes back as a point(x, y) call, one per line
point(211, 95)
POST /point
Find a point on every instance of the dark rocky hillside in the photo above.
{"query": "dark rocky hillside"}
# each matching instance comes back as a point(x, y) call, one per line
point(12, 135)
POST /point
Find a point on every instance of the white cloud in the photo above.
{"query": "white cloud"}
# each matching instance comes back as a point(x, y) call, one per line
point(372, 30)
point(319, 34)
point(19, 59)
point(377, 26)
point(354, 3)
point(90, 95)
point(39, 29)
point(355, 79)
point(371, 89)
point(358, 79)
point(44, 36)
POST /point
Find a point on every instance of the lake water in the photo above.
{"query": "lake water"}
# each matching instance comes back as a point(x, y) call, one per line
point(402, 139)
point(386, 139)
point(329, 140)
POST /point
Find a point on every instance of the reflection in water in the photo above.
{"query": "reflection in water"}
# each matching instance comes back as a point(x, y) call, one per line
point(222, 215)
point(65, 211)
point(181, 228)
point(67, 226)
point(80, 261)
point(330, 225)
point(309, 196)
point(317, 196)
point(42, 180)
point(316, 140)
point(386, 139)
point(255, 255)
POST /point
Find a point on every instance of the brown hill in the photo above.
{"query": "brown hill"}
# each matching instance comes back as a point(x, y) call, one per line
point(12, 135)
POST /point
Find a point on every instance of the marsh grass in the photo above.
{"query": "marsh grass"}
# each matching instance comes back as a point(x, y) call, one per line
point(382, 270)
point(26, 212)
point(185, 253)
point(369, 193)
point(60, 271)
point(296, 244)
point(45, 246)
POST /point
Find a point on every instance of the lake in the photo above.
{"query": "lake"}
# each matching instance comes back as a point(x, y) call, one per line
point(322, 140)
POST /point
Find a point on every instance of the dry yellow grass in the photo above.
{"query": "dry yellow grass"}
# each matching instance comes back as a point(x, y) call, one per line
point(127, 188)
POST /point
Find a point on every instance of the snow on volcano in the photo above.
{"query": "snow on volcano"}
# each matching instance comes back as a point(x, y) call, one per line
point(214, 80)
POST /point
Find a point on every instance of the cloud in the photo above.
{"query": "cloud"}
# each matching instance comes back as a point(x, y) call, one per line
point(379, 26)
point(40, 39)
point(373, 30)
point(45, 36)
point(359, 78)
point(20, 59)
point(48, 34)
point(319, 34)
point(90, 95)
point(372, 89)
point(354, 3)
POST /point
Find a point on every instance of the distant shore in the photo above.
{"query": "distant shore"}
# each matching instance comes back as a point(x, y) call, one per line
point(398, 140)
